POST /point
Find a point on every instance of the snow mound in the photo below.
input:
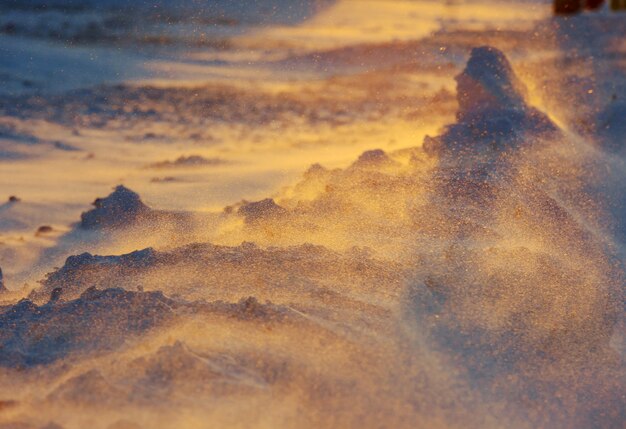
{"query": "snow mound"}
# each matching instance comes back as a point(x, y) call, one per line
point(374, 157)
point(210, 272)
point(263, 209)
point(164, 376)
point(120, 208)
point(493, 113)
point(488, 84)
point(87, 387)
point(33, 335)
point(82, 271)
point(179, 365)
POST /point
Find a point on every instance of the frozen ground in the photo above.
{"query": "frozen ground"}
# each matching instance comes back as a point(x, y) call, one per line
point(311, 214)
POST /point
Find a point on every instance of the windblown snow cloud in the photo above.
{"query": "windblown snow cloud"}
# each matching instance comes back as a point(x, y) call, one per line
point(472, 280)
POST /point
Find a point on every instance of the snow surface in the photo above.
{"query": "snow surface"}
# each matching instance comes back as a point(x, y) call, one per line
point(367, 214)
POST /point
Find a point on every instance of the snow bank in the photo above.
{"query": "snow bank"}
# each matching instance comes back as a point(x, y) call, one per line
point(120, 208)
point(493, 113)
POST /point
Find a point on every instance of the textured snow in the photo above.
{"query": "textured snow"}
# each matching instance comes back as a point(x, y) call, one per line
point(120, 208)
point(475, 280)
point(493, 112)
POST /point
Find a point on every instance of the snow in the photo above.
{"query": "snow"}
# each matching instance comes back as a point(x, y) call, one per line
point(120, 208)
point(44, 334)
point(493, 112)
point(397, 214)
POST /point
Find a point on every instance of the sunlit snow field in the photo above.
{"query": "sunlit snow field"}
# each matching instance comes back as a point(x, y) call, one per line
point(351, 213)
